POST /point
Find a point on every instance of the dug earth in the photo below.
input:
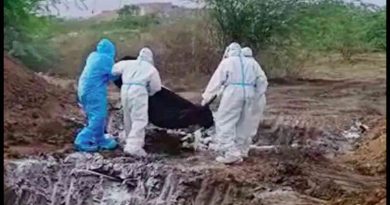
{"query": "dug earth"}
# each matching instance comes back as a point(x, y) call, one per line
point(322, 142)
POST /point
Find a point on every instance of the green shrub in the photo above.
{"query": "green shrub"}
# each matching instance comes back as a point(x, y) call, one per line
point(252, 22)
point(376, 30)
point(282, 33)
point(323, 26)
point(332, 25)
point(23, 29)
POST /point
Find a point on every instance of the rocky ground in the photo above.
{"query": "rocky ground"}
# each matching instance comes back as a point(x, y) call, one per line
point(322, 142)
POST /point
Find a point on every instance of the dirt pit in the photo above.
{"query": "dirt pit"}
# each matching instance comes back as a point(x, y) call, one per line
point(285, 174)
point(311, 148)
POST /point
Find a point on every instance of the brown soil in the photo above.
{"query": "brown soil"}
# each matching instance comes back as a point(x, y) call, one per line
point(33, 124)
point(369, 159)
point(370, 156)
point(328, 99)
point(34, 111)
point(370, 197)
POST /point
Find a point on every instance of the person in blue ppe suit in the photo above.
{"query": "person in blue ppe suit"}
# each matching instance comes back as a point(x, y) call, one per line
point(92, 95)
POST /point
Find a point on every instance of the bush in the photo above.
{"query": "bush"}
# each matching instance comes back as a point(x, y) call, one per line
point(332, 25)
point(23, 29)
point(264, 25)
point(182, 47)
point(295, 28)
point(376, 30)
point(129, 18)
point(128, 10)
point(281, 33)
point(75, 39)
point(252, 22)
point(132, 22)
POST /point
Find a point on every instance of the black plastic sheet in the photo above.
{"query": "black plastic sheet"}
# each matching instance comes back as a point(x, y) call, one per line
point(169, 110)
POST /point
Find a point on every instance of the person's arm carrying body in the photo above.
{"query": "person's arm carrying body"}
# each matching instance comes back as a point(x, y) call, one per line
point(155, 82)
point(215, 84)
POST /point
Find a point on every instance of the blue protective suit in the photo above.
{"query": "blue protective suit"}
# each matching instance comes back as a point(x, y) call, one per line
point(92, 94)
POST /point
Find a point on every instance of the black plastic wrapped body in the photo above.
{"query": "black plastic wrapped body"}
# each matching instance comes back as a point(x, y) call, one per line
point(169, 110)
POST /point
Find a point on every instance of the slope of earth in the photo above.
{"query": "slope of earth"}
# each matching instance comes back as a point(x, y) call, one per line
point(368, 159)
point(34, 112)
point(370, 155)
point(316, 113)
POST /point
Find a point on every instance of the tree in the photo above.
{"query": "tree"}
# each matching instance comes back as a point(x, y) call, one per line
point(128, 10)
point(252, 22)
point(23, 24)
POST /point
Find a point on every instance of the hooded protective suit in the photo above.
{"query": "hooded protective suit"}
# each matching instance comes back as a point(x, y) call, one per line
point(259, 101)
point(239, 79)
point(140, 80)
point(214, 103)
point(92, 95)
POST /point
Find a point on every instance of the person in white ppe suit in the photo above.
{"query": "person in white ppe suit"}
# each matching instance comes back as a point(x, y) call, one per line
point(239, 78)
point(259, 101)
point(140, 80)
point(215, 102)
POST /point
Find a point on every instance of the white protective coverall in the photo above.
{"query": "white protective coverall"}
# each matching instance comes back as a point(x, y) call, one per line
point(259, 100)
point(215, 103)
point(234, 118)
point(140, 80)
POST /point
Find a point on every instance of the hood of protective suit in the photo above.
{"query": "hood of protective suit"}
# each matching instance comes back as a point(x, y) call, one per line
point(105, 46)
point(146, 54)
point(247, 52)
point(234, 49)
point(225, 54)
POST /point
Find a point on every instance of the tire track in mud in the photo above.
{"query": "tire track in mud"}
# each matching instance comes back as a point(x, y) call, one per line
point(326, 97)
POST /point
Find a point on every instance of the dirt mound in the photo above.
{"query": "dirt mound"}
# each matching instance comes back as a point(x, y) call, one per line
point(370, 197)
point(370, 157)
point(34, 112)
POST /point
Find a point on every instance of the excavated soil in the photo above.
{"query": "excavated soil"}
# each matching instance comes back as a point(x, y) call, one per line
point(370, 155)
point(286, 177)
point(34, 112)
point(322, 142)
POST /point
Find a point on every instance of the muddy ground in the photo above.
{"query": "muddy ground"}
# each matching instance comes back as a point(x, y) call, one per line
point(336, 114)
